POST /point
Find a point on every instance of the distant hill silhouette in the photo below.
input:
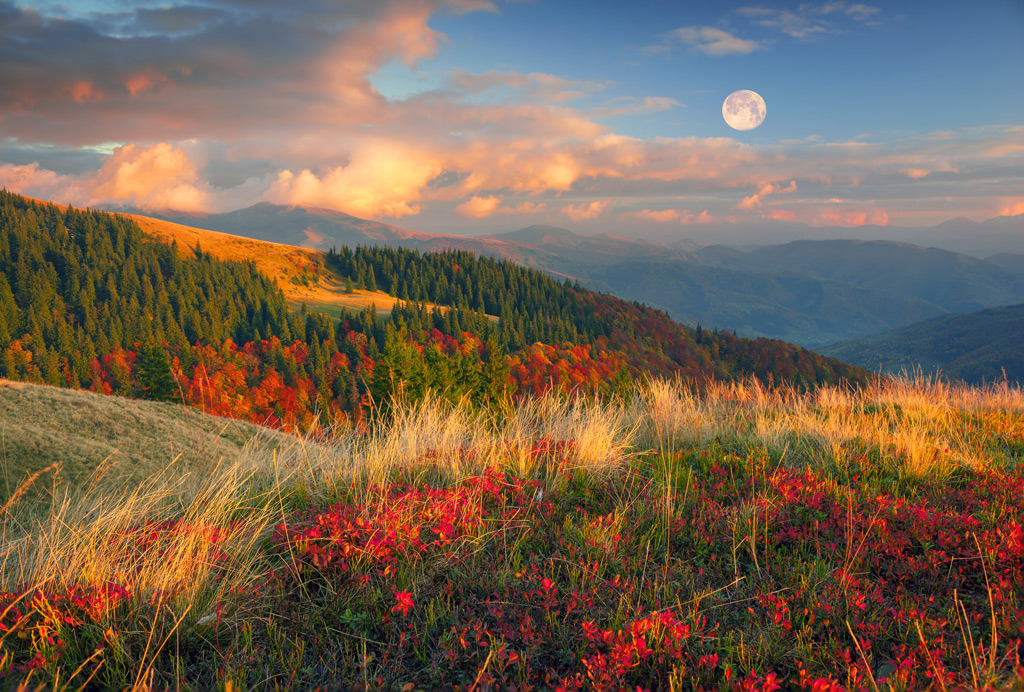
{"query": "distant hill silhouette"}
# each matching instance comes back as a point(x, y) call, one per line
point(974, 347)
point(810, 292)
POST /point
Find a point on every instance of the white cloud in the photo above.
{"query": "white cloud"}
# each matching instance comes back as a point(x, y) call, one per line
point(708, 40)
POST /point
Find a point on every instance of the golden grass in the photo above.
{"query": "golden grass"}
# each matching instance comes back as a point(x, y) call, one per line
point(81, 533)
point(279, 262)
point(112, 441)
point(920, 426)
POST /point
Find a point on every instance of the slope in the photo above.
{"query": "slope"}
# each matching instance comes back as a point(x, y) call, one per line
point(798, 308)
point(299, 272)
point(950, 280)
point(974, 347)
point(110, 441)
point(88, 300)
point(811, 292)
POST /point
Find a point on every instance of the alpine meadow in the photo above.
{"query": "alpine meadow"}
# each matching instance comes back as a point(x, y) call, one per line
point(494, 345)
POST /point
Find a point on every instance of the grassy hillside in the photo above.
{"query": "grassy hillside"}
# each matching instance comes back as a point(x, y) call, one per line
point(745, 538)
point(976, 347)
point(299, 272)
point(109, 441)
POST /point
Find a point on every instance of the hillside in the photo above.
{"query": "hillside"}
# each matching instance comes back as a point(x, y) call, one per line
point(111, 442)
point(298, 271)
point(952, 281)
point(976, 347)
point(553, 249)
point(735, 539)
point(810, 292)
point(88, 300)
point(799, 308)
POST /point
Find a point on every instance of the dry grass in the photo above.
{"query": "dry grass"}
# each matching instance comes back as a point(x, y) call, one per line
point(281, 263)
point(173, 463)
point(109, 441)
point(86, 528)
point(920, 426)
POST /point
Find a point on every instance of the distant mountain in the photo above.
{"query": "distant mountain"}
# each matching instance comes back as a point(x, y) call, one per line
point(976, 238)
point(1010, 261)
point(952, 281)
point(974, 347)
point(810, 292)
point(798, 308)
point(556, 250)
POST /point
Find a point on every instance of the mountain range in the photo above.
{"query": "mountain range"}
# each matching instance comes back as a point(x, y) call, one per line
point(982, 346)
point(809, 292)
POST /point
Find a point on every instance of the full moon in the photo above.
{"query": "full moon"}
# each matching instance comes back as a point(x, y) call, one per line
point(744, 110)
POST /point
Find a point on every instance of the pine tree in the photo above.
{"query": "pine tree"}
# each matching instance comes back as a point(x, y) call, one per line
point(154, 377)
point(496, 373)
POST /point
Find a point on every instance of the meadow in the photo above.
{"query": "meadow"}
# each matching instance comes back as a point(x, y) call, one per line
point(742, 537)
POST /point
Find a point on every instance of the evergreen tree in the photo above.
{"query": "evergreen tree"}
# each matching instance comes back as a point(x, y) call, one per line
point(154, 378)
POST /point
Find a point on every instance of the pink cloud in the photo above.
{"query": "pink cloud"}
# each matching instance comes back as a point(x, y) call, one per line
point(380, 179)
point(156, 177)
point(877, 217)
point(656, 215)
point(755, 199)
point(33, 181)
point(584, 211)
point(709, 40)
point(1013, 209)
point(478, 207)
point(681, 216)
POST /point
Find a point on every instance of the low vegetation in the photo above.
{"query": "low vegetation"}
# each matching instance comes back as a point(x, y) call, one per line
point(741, 537)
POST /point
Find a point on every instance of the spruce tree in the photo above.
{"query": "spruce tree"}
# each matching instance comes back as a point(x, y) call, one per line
point(154, 378)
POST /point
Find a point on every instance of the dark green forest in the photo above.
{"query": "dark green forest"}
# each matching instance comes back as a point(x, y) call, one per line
point(87, 300)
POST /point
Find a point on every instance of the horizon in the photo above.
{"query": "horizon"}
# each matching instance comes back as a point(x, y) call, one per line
point(468, 117)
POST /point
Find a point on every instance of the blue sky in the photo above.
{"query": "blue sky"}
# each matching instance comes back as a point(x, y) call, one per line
point(470, 116)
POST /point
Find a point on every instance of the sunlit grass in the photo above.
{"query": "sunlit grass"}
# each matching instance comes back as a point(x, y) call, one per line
point(668, 509)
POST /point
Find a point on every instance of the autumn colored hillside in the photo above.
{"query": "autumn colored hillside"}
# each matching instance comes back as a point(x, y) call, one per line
point(299, 272)
point(87, 300)
point(743, 538)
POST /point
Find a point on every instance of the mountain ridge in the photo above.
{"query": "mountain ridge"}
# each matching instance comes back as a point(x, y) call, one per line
point(976, 347)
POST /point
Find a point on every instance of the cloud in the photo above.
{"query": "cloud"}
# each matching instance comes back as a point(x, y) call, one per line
point(682, 216)
point(381, 179)
point(656, 215)
point(224, 104)
point(478, 207)
point(808, 20)
point(585, 211)
point(160, 176)
point(877, 217)
point(237, 69)
point(632, 106)
point(31, 180)
point(707, 40)
point(524, 86)
point(782, 215)
point(755, 199)
point(1013, 209)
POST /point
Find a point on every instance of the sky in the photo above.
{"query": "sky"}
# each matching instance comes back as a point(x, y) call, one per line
point(473, 116)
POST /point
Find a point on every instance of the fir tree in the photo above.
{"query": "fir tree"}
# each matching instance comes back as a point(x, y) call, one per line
point(154, 377)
